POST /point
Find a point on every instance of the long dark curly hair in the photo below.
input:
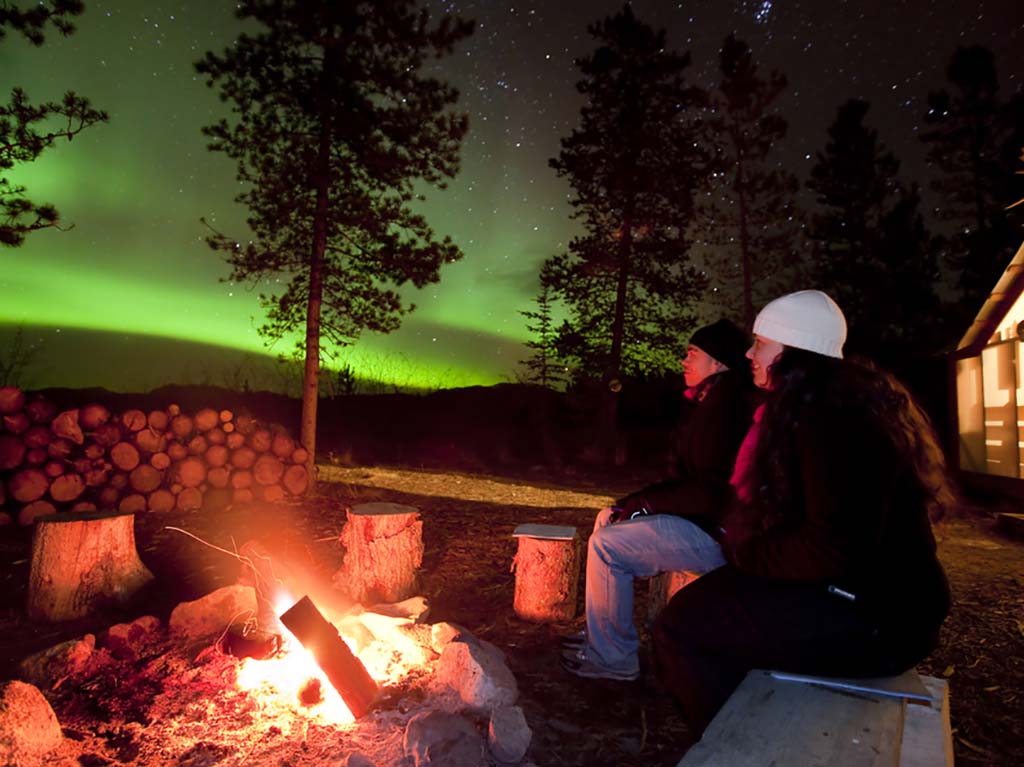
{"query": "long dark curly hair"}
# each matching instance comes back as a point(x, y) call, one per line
point(800, 377)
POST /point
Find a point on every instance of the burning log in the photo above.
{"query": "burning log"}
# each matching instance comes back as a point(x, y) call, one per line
point(383, 551)
point(82, 561)
point(343, 669)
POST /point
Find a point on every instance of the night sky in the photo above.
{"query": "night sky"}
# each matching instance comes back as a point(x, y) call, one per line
point(130, 298)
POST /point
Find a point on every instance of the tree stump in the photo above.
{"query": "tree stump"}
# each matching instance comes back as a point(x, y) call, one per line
point(383, 551)
point(663, 587)
point(547, 568)
point(81, 562)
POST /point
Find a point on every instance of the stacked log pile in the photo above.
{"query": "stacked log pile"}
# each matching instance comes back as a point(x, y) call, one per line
point(89, 458)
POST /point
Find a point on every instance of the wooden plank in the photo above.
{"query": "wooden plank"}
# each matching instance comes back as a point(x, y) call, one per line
point(772, 722)
point(927, 736)
point(545, 532)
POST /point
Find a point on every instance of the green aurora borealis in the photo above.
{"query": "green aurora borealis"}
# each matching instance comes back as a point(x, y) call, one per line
point(132, 298)
point(135, 188)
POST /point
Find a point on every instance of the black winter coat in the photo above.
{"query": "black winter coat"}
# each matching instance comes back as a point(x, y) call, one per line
point(706, 445)
point(857, 521)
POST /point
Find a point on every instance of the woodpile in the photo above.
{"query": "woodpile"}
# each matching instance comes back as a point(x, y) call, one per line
point(89, 458)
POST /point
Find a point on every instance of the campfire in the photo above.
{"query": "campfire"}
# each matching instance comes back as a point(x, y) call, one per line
point(276, 668)
point(316, 670)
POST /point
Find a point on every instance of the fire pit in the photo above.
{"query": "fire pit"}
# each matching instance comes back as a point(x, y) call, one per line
point(148, 694)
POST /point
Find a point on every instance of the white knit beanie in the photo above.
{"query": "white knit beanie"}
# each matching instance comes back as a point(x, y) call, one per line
point(808, 319)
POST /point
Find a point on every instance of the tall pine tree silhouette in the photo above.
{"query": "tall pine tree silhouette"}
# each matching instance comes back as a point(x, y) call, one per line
point(973, 140)
point(872, 252)
point(749, 223)
point(336, 130)
point(543, 366)
point(633, 163)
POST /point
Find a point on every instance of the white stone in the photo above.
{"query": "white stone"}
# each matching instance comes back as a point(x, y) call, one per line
point(477, 671)
point(444, 633)
point(28, 727)
point(414, 609)
point(508, 734)
point(67, 659)
point(214, 612)
point(438, 739)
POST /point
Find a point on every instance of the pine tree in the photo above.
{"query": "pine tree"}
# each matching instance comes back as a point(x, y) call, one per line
point(973, 139)
point(633, 163)
point(873, 253)
point(751, 228)
point(543, 366)
point(336, 129)
point(27, 130)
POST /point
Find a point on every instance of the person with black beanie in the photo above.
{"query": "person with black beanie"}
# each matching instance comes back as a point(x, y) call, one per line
point(667, 526)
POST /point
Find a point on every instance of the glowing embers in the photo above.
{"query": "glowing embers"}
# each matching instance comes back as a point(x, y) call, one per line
point(290, 679)
point(375, 647)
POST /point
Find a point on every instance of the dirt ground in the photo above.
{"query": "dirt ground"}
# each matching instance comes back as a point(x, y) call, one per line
point(468, 523)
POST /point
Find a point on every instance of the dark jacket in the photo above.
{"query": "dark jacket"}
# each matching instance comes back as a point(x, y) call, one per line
point(706, 445)
point(856, 521)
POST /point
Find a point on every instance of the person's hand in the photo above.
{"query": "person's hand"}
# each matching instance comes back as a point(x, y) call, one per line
point(630, 507)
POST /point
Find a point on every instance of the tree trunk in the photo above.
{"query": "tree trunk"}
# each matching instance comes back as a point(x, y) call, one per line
point(314, 305)
point(383, 550)
point(82, 562)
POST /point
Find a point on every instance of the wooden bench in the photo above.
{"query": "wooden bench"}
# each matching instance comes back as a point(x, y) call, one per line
point(799, 721)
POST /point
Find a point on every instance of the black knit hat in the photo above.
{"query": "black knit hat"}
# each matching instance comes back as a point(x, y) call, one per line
point(723, 341)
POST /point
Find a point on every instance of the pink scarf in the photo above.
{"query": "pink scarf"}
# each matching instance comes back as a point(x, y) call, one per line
point(741, 480)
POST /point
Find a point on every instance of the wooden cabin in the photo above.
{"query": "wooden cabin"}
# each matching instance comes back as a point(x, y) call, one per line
point(987, 408)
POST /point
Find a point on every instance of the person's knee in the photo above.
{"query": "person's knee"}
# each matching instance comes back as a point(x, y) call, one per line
point(596, 545)
point(603, 518)
point(606, 545)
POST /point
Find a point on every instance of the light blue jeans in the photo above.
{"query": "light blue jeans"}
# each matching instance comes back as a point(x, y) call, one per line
point(636, 548)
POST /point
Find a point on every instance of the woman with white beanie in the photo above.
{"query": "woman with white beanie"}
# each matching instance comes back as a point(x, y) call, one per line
point(831, 566)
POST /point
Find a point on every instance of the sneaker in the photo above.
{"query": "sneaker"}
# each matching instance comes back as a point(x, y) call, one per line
point(574, 652)
point(580, 664)
point(573, 641)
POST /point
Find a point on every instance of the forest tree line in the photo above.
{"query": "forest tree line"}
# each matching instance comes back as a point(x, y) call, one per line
point(337, 126)
point(687, 213)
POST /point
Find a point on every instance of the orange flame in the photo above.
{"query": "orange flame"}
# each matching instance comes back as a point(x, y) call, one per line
point(280, 680)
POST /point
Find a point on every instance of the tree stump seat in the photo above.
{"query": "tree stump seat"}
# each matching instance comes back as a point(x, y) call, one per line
point(82, 561)
point(662, 587)
point(383, 552)
point(547, 568)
